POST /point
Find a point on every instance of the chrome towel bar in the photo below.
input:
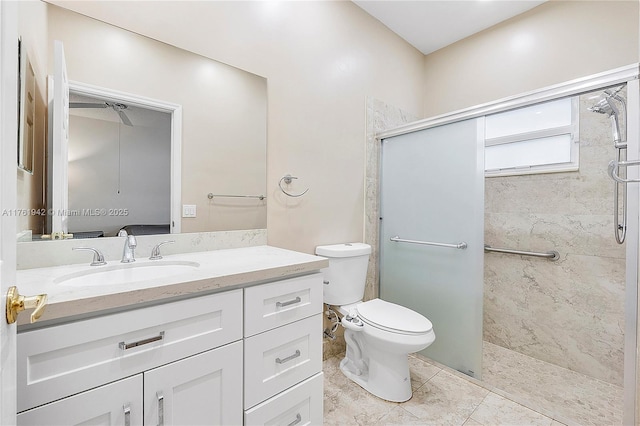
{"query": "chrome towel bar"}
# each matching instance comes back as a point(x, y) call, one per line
point(551, 255)
point(461, 245)
point(212, 195)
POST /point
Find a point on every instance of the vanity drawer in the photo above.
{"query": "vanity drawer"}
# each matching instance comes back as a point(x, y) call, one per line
point(62, 360)
point(299, 405)
point(280, 358)
point(271, 305)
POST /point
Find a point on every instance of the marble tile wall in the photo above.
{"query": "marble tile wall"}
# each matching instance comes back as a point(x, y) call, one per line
point(379, 116)
point(570, 312)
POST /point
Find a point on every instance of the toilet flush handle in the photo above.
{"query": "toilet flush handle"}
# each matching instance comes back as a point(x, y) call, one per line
point(352, 322)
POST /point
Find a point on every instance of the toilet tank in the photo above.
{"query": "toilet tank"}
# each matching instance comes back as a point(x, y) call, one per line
point(346, 275)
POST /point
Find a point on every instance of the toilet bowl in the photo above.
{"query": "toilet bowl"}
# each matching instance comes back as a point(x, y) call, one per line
point(379, 334)
point(379, 337)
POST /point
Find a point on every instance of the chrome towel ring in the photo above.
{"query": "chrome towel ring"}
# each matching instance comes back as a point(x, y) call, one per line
point(287, 180)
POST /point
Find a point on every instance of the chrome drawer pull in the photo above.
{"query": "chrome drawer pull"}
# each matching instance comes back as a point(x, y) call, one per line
point(127, 415)
point(289, 302)
point(160, 408)
point(124, 346)
point(296, 421)
point(289, 358)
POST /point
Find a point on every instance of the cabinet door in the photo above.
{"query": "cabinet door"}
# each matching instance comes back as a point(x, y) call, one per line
point(118, 403)
point(204, 389)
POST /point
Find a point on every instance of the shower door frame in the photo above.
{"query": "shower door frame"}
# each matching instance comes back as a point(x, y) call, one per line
point(628, 75)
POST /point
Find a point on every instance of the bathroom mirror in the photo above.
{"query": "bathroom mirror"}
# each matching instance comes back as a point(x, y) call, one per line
point(25, 111)
point(223, 127)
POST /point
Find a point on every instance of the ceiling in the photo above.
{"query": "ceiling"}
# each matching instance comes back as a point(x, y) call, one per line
point(429, 25)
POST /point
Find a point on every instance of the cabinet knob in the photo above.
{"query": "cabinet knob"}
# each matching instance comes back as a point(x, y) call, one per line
point(17, 303)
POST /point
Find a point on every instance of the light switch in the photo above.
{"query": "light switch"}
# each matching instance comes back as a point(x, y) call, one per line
point(188, 210)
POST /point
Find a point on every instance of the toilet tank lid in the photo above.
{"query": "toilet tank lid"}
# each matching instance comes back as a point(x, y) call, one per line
point(344, 250)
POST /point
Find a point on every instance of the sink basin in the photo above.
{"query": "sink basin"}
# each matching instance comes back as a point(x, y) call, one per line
point(126, 273)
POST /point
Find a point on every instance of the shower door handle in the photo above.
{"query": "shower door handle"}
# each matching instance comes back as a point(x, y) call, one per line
point(462, 245)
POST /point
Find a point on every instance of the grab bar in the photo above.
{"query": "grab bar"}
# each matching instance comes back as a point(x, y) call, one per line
point(614, 166)
point(552, 255)
point(461, 245)
point(259, 197)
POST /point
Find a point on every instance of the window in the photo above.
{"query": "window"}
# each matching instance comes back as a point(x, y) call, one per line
point(542, 138)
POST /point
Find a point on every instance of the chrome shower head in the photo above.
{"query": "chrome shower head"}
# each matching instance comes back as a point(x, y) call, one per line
point(608, 107)
point(603, 107)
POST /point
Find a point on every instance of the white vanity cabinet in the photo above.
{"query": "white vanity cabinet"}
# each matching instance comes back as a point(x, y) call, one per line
point(198, 390)
point(174, 351)
point(249, 355)
point(283, 352)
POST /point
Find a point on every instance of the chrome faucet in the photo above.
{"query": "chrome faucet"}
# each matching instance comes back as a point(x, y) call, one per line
point(128, 252)
point(155, 252)
point(98, 257)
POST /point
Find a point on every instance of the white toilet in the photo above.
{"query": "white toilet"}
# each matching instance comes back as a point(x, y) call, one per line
point(379, 334)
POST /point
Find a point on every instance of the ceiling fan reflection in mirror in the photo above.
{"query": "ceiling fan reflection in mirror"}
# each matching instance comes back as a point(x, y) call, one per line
point(117, 107)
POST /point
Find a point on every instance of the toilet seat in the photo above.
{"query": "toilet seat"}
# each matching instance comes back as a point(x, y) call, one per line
point(393, 318)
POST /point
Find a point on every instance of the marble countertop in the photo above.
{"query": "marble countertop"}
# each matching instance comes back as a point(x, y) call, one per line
point(219, 270)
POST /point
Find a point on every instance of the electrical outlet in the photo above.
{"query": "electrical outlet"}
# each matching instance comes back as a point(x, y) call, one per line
point(188, 210)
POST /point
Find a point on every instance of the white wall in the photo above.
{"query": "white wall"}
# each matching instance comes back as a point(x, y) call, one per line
point(321, 59)
point(555, 42)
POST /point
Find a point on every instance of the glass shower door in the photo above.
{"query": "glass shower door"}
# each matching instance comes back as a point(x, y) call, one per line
point(432, 191)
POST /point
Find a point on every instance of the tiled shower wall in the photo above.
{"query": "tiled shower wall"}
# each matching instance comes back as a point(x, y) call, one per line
point(570, 312)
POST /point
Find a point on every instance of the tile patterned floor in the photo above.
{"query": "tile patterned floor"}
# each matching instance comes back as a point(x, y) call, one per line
point(441, 397)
